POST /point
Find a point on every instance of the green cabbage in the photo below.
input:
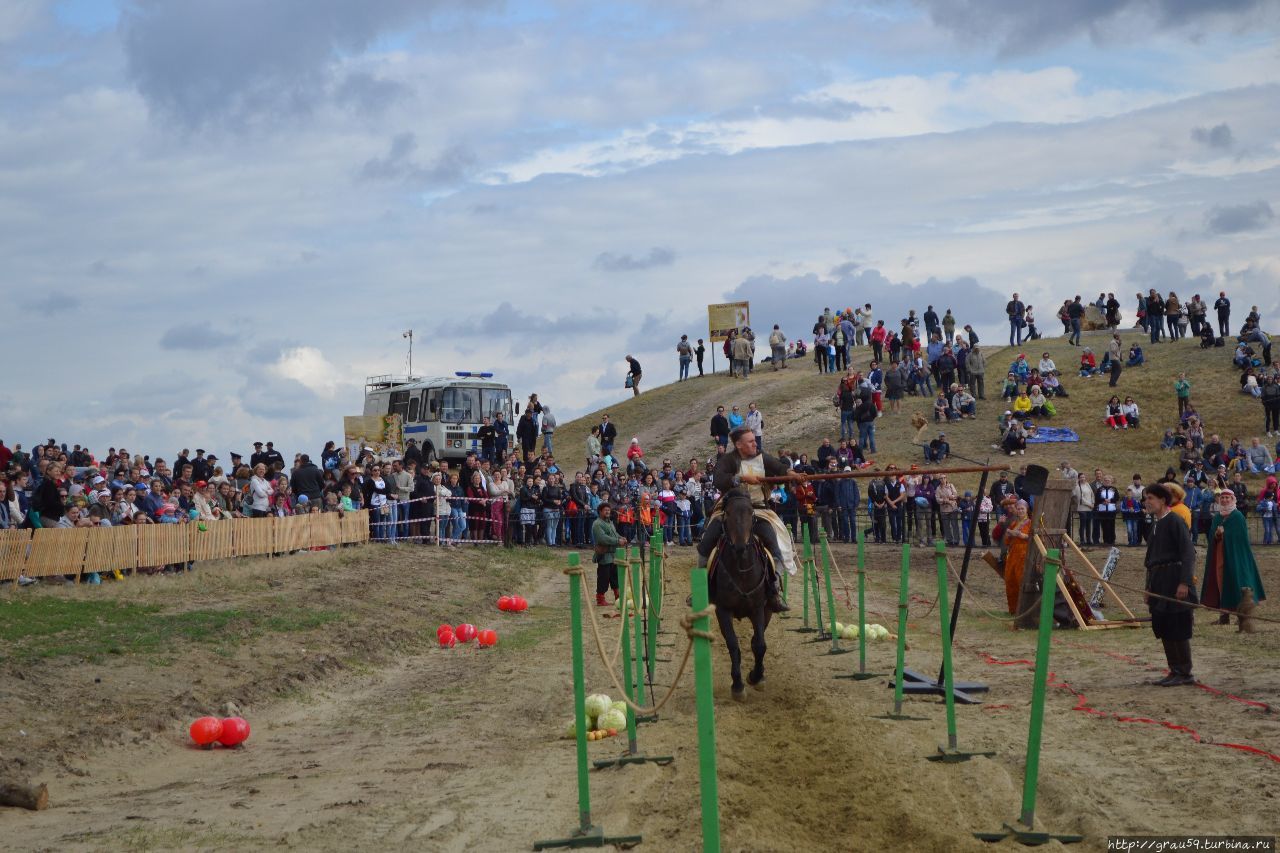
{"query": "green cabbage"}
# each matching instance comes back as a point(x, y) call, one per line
point(597, 704)
point(612, 719)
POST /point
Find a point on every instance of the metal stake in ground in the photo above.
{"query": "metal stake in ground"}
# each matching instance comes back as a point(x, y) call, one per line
point(587, 834)
point(951, 753)
point(632, 680)
point(862, 674)
point(902, 640)
point(824, 548)
point(706, 715)
point(805, 559)
point(1024, 829)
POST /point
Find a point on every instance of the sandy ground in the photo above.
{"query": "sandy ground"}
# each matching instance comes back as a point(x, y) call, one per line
point(367, 737)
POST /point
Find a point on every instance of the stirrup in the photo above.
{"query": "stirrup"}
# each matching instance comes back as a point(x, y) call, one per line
point(777, 605)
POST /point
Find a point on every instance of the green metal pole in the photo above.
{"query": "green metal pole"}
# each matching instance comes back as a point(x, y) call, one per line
point(706, 718)
point(902, 627)
point(579, 696)
point(586, 835)
point(806, 555)
point(655, 601)
point(824, 547)
point(815, 586)
point(944, 610)
point(623, 574)
point(1047, 588)
point(862, 600)
point(636, 621)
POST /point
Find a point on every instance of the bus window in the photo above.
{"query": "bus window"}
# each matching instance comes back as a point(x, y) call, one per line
point(495, 400)
point(460, 405)
point(399, 404)
point(431, 406)
point(414, 402)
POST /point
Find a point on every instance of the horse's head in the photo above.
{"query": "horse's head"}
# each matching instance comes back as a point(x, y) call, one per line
point(738, 519)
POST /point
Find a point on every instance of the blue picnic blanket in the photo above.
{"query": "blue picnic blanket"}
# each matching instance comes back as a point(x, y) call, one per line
point(1046, 434)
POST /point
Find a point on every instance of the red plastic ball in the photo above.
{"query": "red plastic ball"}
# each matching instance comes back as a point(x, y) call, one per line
point(235, 731)
point(448, 640)
point(521, 604)
point(486, 638)
point(206, 730)
point(466, 632)
point(504, 603)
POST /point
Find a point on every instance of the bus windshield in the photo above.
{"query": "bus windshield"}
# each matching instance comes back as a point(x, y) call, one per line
point(460, 405)
point(495, 400)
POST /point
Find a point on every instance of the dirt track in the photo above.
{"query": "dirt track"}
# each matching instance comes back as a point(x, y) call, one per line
point(365, 737)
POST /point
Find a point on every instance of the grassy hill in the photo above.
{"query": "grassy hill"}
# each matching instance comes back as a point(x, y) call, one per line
point(672, 420)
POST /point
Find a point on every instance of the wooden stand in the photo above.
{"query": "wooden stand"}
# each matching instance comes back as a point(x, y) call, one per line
point(1075, 598)
point(32, 797)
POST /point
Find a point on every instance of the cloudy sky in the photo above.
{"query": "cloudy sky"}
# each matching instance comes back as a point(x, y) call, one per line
point(216, 218)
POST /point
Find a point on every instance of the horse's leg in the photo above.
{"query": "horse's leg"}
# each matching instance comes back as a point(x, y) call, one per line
point(735, 654)
point(759, 623)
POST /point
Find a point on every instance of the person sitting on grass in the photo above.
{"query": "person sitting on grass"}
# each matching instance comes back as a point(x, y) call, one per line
point(963, 404)
point(1129, 408)
point(941, 408)
point(1010, 391)
point(1190, 457)
point(1088, 364)
point(1047, 365)
point(1114, 416)
point(1022, 404)
point(1136, 357)
point(938, 449)
point(1257, 458)
point(1040, 405)
point(1015, 438)
point(1020, 368)
point(1249, 384)
point(1052, 386)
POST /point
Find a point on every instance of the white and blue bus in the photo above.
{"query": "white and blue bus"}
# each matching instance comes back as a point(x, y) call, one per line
point(442, 413)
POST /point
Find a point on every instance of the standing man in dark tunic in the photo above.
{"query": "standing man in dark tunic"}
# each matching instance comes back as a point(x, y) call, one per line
point(1170, 565)
point(746, 466)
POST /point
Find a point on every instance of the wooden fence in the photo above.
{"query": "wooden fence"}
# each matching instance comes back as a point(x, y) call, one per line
point(73, 551)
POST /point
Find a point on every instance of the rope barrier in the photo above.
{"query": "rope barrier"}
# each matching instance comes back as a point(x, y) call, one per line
point(1082, 705)
point(686, 622)
point(1000, 617)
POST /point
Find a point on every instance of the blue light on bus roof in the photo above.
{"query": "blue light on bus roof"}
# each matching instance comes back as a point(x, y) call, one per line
point(472, 374)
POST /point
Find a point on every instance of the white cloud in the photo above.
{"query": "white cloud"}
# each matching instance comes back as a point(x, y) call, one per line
point(308, 367)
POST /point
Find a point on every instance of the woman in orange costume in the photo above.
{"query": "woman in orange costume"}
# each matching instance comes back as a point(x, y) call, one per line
point(1016, 538)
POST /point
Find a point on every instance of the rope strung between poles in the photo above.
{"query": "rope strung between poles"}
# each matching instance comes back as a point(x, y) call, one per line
point(686, 622)
point(1002, 617)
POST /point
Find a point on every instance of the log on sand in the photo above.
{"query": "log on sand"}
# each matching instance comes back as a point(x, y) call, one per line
point(33, 797)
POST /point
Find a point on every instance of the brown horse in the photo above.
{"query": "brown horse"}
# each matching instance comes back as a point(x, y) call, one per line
point(740, 589)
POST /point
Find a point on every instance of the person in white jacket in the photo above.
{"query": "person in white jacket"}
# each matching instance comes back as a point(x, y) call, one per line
point(260, 491)
point(754, 421)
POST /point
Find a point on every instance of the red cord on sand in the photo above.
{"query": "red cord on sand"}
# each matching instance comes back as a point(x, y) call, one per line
point(1082, 705)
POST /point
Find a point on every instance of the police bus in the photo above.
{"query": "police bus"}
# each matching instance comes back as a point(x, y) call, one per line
point(442, 413)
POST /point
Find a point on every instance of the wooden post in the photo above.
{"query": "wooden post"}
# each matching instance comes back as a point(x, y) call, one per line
point(1053, 511)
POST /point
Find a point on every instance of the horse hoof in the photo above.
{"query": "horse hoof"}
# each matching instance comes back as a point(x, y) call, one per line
point(739, 693)
point(758, 684)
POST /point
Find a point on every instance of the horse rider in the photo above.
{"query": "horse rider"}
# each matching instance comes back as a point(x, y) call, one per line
point(746, 466)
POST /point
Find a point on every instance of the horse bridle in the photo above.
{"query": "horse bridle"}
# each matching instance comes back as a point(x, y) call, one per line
point(764, 573)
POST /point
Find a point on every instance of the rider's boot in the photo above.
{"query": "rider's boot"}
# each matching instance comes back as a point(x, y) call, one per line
point(776, 604)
